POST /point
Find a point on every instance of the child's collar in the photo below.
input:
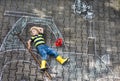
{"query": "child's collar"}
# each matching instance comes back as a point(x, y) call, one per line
point(38, 34)
point(35, 35)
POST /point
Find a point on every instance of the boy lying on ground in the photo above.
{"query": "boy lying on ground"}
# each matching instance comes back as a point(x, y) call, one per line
point(37, 37)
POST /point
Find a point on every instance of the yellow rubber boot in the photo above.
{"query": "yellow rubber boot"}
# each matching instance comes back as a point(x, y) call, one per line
point(43, 65)
point(61, 60)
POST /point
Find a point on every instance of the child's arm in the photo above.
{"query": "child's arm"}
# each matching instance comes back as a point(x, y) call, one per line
point(29, 44)
point(41, 30)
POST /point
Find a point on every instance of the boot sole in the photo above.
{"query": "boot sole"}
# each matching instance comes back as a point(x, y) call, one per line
point(66, 61)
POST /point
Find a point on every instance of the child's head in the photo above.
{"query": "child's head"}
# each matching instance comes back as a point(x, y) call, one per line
point(34, 31)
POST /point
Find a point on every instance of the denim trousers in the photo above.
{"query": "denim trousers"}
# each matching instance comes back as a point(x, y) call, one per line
point(45, 50)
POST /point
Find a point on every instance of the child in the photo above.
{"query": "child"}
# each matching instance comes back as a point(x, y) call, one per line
point(44, 50)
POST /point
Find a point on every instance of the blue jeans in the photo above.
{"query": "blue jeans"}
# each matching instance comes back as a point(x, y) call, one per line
point(45, 50)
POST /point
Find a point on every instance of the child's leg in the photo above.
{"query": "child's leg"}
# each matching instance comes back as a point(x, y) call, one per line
point(55, 54)
point(52, 52)
point(43, 54)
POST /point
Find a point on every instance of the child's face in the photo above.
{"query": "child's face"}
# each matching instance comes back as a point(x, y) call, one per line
point(34, 32)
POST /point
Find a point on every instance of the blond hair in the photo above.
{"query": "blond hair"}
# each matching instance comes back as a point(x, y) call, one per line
point(34, 28)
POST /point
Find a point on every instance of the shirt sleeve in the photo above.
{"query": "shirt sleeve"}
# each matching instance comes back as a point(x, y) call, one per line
point(43, 35)
point(31, 39)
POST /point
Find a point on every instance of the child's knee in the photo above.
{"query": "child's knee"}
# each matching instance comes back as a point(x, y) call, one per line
point(55, 54)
